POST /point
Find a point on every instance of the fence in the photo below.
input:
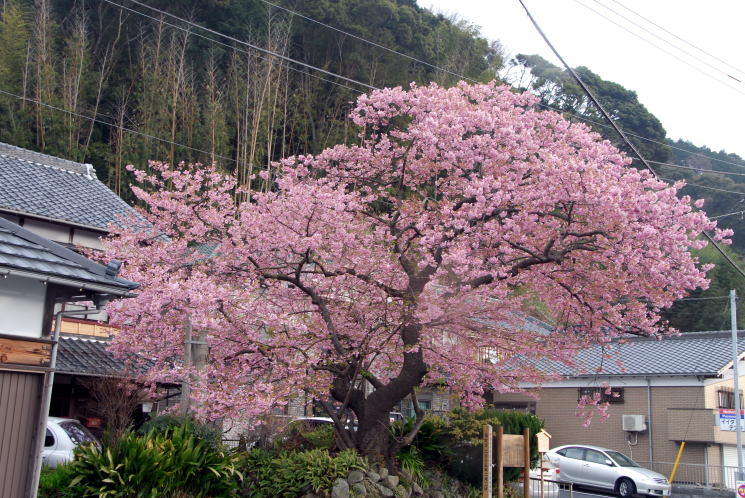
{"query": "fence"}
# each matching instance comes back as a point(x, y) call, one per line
point(551, 489)
point(231, 444)
point(716, 476)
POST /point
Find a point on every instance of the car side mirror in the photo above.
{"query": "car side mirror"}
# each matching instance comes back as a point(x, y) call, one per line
point(609, 463)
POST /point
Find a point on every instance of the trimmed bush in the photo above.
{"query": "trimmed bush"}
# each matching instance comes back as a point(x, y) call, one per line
point(171, 463)
point(291, 474)
point(164, 424)
point(465, 430)
point(300, 436)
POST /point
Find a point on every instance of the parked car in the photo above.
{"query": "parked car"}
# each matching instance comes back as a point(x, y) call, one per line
point(603, 468)
point(62, 437)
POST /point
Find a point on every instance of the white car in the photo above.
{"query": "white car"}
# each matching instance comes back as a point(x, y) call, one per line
point(603, 468)
point(62, 437)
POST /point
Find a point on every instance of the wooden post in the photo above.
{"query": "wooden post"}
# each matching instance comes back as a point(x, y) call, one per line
point(486, 484)
point(500, 462)
point(526, 462)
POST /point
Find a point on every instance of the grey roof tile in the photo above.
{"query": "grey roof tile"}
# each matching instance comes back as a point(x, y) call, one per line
point(692, 353)
point(22, 250)
point(50, 187)
point(81, 356)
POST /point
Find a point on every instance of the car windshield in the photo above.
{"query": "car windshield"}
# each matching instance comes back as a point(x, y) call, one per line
point(621, 459)
point(78, 434)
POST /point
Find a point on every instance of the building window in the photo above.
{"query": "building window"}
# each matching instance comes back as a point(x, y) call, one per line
point(425, 404)
point(615, 395)
point(726, 396)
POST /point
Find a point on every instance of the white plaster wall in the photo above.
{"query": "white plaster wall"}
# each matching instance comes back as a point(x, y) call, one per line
point(86, 238)
point(21, 306)
point(52, 231)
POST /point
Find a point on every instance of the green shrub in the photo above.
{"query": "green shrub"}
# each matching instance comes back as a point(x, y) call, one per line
point(432, 441)
point(163, 424)
point(300, 436)
point(171, 463)
point(290, 474)
point(55, 483)
point(465, 431)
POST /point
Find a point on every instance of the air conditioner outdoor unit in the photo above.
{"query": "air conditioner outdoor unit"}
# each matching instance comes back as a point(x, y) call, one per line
point(633, 423)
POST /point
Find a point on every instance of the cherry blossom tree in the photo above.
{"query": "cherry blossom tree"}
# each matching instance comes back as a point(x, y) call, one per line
point(408, 259)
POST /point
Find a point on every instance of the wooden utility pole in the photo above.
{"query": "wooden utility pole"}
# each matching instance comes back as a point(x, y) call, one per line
point(500, 462)
point(526, 463)
point(486, 485)
point(185, 385)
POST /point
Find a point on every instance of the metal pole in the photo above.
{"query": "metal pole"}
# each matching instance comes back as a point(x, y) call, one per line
point(736, 375)
point(46, 397)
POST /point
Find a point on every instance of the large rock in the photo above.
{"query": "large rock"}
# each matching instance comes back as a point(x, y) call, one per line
point(402, 491)
point(383, 473)
point(359, 489)
point(355, 476)
point(417, 489)
point(340, 489)
point(373, 476)
point(384, 491)
point(390, 481)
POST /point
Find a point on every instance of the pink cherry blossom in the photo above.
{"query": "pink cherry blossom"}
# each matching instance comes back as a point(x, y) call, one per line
point(408, 259)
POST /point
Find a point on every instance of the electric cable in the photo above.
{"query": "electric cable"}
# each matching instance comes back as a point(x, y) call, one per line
point(113, 125)
point(228, 45)
point(680, 166)
point(370, 42)
point(393, 51)
point(696, 58)
point(698, 185)
point(659, 48)
point(618, 129)
point(679, 38)
point(250, 45)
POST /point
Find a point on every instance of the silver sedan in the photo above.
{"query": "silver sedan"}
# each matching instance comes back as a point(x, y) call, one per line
point(603, 468)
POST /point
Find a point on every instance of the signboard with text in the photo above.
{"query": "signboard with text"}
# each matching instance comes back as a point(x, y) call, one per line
point(727, 420)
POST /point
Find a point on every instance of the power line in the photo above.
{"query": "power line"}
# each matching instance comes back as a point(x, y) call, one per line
point(616, 127)
point(218, 42)
point(466, 78)
point(698, 185)
point(370, 42)
point(369, 86)
point(659, 48)
point(715, 68)
point(725, 215)
point(113, 125)
point(250, 45)
point(679, 38)
point(680, 166)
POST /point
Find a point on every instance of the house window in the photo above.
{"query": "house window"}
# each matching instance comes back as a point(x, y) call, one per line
point(615, 395)
point(726, 396)
point(425, 404)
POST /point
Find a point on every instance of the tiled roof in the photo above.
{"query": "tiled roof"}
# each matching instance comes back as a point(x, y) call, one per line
point(692, 353)
point(87, 357)
point(23, 251)
point(50, 187)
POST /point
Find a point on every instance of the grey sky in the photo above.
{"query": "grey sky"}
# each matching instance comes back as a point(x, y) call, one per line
point(701, 104)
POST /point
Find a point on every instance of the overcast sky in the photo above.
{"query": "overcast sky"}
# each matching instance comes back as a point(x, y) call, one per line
point(700, 104)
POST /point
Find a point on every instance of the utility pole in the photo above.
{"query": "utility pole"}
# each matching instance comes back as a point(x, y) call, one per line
point(736, 374)
point(185, 382)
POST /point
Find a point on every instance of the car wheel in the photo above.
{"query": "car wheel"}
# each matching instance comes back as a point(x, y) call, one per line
point(626, 487)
